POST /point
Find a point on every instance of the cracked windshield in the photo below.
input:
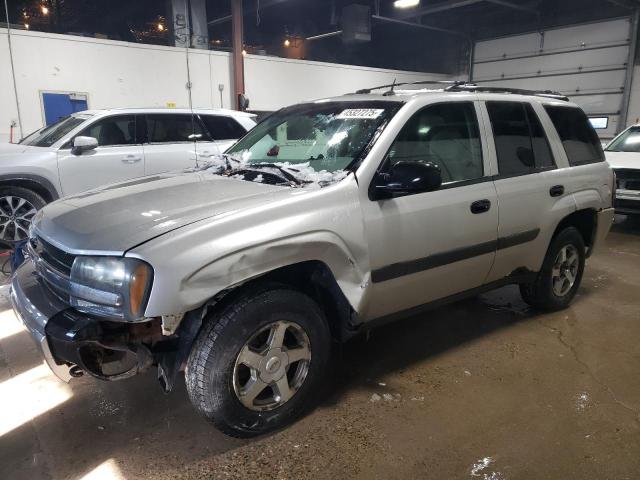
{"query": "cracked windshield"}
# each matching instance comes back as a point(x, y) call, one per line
point(309, 143)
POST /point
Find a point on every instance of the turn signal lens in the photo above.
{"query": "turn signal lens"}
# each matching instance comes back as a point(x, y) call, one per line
point(138, 289)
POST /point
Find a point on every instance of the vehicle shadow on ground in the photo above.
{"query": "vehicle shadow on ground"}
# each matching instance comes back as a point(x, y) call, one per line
point(396, 346)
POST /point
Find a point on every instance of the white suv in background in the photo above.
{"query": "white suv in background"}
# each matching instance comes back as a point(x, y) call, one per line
point(623, 154)
point(96, 147)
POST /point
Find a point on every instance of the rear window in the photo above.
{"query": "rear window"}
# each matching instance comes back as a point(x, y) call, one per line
point(223, 128)
point(579, 139)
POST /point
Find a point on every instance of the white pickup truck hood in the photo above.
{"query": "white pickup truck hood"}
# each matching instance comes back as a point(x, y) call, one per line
point(629, 160)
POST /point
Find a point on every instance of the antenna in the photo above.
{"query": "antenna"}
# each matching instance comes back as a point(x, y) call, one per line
point(390, 91)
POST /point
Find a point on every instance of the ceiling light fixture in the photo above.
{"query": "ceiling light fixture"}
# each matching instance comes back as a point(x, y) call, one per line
point(406, 3)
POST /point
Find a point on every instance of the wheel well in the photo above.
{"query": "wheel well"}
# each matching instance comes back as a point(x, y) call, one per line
point(584, 221)
point(313, 278)
point(32, 185)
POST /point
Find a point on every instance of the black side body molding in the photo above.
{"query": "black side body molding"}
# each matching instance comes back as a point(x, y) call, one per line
point(396, 270)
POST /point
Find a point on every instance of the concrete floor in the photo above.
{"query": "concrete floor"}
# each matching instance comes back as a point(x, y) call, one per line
point(482, 389)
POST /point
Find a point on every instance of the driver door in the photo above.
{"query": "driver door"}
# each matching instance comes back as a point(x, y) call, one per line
point(118, 156)
point(427, 246)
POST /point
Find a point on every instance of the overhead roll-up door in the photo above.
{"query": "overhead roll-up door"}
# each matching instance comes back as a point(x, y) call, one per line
point(586, 62)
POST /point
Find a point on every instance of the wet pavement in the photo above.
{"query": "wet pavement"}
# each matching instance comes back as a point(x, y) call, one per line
point(483, 389)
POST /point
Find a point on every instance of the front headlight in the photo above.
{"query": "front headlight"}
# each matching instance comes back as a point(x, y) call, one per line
point(111, 286)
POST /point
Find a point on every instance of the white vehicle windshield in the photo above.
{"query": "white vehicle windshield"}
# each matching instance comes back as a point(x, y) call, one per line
point(324, 137)
point(47, 136)
point(628, 141)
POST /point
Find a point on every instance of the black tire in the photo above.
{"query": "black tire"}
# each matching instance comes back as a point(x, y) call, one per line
point(540, 293)
point(210, 367)
point(35, 200)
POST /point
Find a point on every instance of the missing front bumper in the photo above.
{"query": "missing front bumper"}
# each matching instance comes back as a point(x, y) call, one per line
point(67, 339)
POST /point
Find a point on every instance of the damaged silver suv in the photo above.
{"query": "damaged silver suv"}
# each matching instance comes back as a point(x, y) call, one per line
point(327, 218)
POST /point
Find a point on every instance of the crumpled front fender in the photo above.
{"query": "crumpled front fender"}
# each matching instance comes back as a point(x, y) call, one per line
point(250, 263)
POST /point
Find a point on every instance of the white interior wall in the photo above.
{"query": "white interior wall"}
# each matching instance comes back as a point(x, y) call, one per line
point(272, 82)
point(121, 74)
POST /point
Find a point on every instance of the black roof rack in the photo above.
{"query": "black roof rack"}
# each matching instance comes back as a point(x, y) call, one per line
point(422, 82)
point(471, 87)
point(461, 86)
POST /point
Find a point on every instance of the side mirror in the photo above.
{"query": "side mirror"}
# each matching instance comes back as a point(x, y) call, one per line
point(406, 178)
point(83, 144)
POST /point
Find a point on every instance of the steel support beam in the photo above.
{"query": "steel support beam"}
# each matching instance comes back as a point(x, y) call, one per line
point(438, 8)
point(418, 25)
point(238, 60)
point(515, 6)
point(227, 18)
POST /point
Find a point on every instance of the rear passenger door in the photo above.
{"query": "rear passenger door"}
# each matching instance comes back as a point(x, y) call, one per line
point(531, 188)
point(170, 141)
point(223, 131)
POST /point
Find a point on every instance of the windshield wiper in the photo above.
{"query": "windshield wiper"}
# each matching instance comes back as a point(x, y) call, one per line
point(284, 172)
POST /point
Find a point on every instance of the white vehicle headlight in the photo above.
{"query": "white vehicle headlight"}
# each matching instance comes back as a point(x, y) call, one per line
point(113, 287)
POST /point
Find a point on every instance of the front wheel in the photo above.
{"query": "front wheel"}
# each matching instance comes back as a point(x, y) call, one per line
point(259, 363)
point(18, 206)
point(559, 279)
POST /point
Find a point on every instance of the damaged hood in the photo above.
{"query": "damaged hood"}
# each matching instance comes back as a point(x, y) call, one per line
point(115, 218)
point(623, 159)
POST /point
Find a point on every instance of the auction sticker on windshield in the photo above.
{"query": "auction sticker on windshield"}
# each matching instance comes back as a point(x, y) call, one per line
point(360, 113)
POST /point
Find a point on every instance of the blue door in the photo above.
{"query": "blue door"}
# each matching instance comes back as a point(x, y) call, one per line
point(57, 105)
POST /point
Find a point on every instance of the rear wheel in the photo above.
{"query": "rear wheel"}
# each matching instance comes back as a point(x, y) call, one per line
point(18, 206)
point(258, 364)
point(561, 273)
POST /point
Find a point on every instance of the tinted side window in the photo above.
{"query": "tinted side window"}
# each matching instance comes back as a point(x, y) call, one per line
point(521, 145)
point(446, 134)
point(115, 130)
point(223, 128)
point(172, 128)
point(541, 148)
point(579, 139)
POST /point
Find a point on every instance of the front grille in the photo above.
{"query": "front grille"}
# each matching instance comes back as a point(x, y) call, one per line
point(53, 266)
point(627, 179)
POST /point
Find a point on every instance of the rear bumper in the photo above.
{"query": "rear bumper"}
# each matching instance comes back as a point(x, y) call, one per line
point(604, 220)
point(34, 307)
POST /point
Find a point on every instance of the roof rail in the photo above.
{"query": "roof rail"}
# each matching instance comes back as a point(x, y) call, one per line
point(471, 87)
point(391, 86)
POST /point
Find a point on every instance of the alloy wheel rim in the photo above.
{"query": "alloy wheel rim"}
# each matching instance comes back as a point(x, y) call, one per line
point(272, 366)
point(16, 214)
point(565, 270)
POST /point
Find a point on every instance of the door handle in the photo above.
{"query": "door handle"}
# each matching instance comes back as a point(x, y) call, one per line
point(480, 206)
point(205, 154)
point(131, 159)
point(556, 190)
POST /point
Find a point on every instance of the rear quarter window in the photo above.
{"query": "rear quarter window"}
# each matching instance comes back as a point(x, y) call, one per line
point(579, 139)
point(221, 127)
